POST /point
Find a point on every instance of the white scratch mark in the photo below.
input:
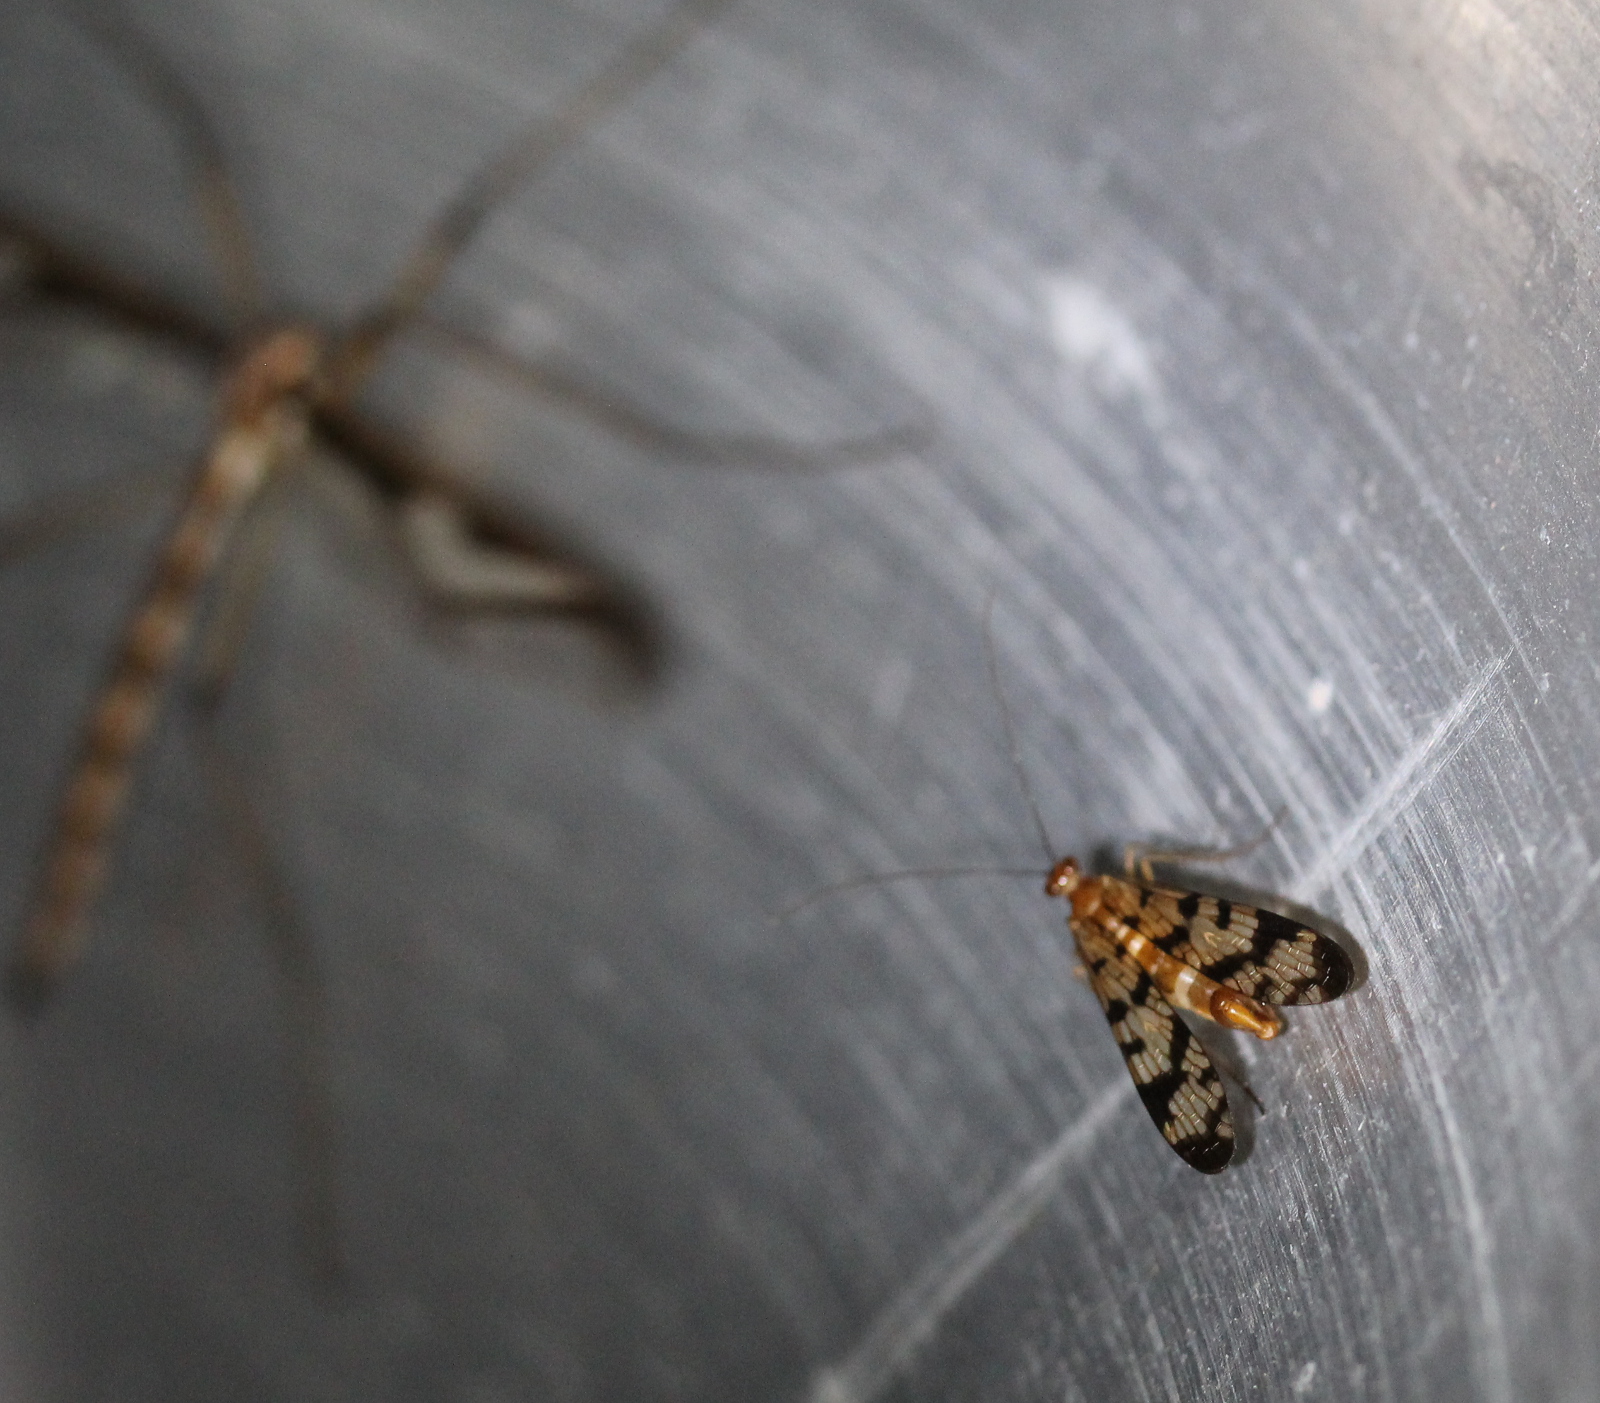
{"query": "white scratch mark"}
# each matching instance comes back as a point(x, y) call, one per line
point(1582, 897)
point(1358, 393)
point(1491, 1336)
point(1163, 1355)
point(912, 1317)
point(1396, 793)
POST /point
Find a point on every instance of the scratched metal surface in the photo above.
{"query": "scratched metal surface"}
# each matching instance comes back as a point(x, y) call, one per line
point(1255, 344)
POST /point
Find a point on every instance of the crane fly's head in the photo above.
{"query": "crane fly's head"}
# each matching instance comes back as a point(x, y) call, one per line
point(281, 364)
point(1063, 879)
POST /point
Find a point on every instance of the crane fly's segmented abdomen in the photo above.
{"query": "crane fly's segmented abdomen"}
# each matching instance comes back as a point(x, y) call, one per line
point(126, 711)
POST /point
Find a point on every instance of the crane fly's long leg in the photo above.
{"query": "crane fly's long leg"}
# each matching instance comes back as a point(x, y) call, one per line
point(261, 428)
point(497, 181)
point(220, 207)
point(305, 997)
point(470, 557)
point(238, 591)
point(39, 264)
point(306, 1008)
point(628, 422)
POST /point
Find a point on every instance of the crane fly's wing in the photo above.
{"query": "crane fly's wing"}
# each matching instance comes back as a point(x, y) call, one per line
point(1265, 956)
point(1176, 1081)
point(478, 561)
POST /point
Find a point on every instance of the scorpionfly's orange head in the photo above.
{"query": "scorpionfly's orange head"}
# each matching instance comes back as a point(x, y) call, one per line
point(1063, 878)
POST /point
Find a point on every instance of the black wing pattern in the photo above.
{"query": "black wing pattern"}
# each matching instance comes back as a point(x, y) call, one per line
point(1176, 1081)
point(1263, 955)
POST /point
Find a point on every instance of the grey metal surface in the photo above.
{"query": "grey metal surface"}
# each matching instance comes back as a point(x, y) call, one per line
point(1256, 340)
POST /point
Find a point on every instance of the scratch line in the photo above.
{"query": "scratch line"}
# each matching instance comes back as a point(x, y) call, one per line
point(912, 1317)
point(1419, 764)
point(1491, 1340)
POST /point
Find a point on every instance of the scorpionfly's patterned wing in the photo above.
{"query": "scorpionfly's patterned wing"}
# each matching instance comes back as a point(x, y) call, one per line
point(1261, 954)
point(1176, 1081)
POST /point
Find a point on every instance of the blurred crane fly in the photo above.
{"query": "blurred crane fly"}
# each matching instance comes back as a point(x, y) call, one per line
point(292, 387)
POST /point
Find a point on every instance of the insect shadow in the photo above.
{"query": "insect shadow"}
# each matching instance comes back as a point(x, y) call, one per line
point(1149, 951)
point(290, 387)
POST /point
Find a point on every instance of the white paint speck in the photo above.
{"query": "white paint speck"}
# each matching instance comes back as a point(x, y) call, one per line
point(1097, 337)
point(1319, 696)
point(1305, 1378)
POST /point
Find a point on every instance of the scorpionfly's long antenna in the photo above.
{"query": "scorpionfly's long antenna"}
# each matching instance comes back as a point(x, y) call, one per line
point(879, 878)
point(1011, 730)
